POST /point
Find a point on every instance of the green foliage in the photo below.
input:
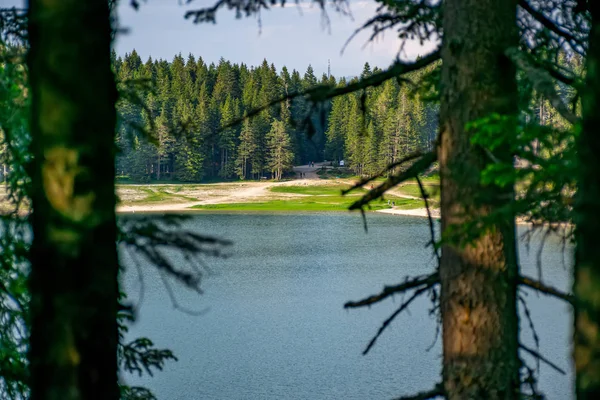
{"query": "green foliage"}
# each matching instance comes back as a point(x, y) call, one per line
point(544, 174)
point(312, 189)
point(188, 109)
point(14, 229)
point(146, 238)
point(312, 203)
point(280, 153)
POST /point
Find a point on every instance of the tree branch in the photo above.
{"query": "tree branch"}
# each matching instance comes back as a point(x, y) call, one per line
point(548, 23)
point(390, 167)
point(437, 391)
point(542, 82)
point(415, 169)
point(542, 358)
point(428, 280)
point(429, 219)
point(388, 321)
point(545, 289)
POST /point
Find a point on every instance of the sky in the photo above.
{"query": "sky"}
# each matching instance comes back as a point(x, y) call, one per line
point(294, 36)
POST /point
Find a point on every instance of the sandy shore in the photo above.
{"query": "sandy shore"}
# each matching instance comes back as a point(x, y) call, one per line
point(415, 212)
point(182, 198)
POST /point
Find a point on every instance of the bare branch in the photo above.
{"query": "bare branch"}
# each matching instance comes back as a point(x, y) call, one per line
point(429, 219)
point(174, 301)
point(549, 24)
point(415, 169)
point(388, 321)
point(390, 167)
point(536, 338)
point(545, 289)
point(428, 280)
point(542, 358)
point(437, 391)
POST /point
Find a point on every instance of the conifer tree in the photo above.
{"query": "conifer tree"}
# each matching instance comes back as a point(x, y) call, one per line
point(246, 150)
point(280, 155)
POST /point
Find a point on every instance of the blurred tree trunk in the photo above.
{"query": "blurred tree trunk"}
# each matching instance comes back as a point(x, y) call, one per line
point(73, 280)
point(478, 298)
point(587, 220)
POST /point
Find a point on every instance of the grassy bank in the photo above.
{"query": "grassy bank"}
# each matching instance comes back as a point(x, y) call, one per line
point(311, 203)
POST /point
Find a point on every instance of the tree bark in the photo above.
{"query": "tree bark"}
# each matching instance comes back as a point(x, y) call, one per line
point(478, 295)
point(73, 278)
point(587, 220)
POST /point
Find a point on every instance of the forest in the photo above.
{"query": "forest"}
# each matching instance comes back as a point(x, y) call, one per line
point(191, 102)
point(505, 106)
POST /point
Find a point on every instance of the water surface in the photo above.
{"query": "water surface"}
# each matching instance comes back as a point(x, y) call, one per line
point(275, 326)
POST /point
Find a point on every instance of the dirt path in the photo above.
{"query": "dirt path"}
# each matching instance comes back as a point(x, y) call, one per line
point(182, 197)
point(308, 172)
point(226, 193)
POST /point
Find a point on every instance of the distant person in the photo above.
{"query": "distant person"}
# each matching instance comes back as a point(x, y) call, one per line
point(393, 204)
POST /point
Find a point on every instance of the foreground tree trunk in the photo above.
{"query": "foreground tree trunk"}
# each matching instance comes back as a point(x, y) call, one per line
point(478, 297)
point(587, 220)
point(73, 280)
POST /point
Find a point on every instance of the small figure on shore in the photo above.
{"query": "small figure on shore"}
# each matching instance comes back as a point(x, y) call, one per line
point(393, 204)
point(389, 202)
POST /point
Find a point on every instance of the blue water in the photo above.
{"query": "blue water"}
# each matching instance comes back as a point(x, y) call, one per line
point(275, 327)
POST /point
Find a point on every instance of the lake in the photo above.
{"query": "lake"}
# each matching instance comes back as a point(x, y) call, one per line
point(275, 327)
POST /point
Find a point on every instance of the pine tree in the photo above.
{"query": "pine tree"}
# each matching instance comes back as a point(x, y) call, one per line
point(280, 155)
point(355, 137)
point(164, 146)
point(336, 134)
point(246, 150)
point(227, 138)
point(478, 299)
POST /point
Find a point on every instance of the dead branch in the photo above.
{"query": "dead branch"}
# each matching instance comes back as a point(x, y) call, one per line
point(415, 169)
point(437, 391)
point(388, 321)
point(174, 301)
point(430, 220)
point(429, 280)
point(545, 289)
point(536, 338)
point(543, 359)
point(390, 167)
point(549, 24)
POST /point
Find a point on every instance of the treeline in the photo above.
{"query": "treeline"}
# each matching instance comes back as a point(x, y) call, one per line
point(176, 121)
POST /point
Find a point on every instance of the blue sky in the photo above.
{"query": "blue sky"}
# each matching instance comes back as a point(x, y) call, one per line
point(293, 36)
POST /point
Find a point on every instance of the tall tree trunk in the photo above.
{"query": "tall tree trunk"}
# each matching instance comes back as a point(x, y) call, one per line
point(587, 219)
point(158, 162)
point(73, 279)
point(478, 297)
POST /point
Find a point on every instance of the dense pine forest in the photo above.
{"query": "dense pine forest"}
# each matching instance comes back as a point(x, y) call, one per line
point(175, 121)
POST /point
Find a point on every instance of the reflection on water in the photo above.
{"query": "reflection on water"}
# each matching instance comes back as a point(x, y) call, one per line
point(276, 328)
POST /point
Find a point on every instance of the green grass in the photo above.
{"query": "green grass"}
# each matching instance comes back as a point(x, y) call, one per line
point(160, 194)
point(330, 190)
point(413, 190)
point(322, 203)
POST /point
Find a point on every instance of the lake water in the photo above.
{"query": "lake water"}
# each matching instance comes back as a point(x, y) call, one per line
point(276, 327)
